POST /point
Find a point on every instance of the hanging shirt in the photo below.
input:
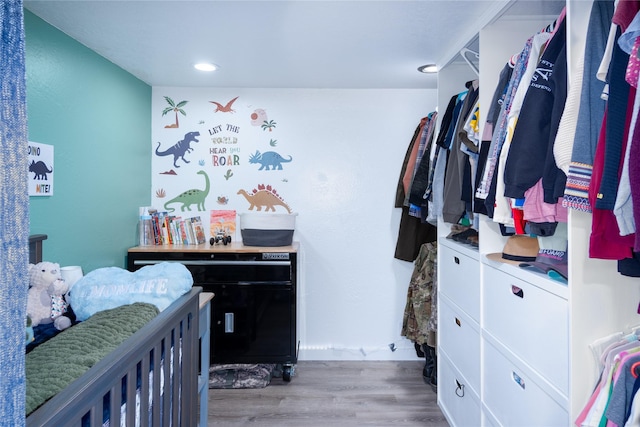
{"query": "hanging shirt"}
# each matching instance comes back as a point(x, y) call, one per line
point(454, 207)
point(605, 241)
point(479, 204)
point(623, 208)
point(500, 128)
point(591, 109)
point(531, 155)
point(617, 126)
point(502, 204)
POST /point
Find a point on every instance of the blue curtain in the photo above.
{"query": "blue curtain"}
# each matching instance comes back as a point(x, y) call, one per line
point(14, 214)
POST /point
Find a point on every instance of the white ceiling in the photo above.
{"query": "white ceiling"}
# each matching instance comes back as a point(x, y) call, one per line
point(274, 44)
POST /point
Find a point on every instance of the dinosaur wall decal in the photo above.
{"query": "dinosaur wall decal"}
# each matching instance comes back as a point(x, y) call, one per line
point(191, 197)
point(266, 197)
point(180, 148)
point(225, 108)
point(269, 158)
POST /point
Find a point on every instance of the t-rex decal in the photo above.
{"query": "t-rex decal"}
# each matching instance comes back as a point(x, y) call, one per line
point(180, 148)
point(270, 158)
point(264, 196)
point(191, 197)
point(40, 170)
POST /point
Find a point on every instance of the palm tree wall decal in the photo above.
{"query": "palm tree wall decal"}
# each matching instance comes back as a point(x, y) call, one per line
point(177, 108)
point(268, 125)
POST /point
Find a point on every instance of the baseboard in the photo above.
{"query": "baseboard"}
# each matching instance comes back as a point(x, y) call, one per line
point(330, 353)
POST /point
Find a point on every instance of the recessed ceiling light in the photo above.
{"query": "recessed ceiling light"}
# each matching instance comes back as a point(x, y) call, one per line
point(429, 68)
point(205, 66)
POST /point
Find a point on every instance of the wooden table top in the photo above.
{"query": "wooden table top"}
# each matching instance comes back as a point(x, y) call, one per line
point(205, 297)
point(233, 247)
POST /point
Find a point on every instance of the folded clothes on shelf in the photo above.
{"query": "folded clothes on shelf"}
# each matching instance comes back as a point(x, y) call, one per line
point(464, 234)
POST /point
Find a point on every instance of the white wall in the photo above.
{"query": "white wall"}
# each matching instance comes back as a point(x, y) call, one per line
point(347, 148)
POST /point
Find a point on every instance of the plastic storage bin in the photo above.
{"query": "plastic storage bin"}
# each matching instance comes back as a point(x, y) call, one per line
point(266, 229)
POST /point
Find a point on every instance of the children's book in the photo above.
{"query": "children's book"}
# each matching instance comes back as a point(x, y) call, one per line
point(199, 230)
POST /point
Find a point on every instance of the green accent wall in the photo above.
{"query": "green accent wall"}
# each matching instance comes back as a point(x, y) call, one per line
point(98, 119)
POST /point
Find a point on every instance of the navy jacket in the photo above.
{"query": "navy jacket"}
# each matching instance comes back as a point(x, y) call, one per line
point(531, 153)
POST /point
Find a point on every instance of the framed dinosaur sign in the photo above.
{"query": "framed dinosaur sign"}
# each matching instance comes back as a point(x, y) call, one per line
point(40, 169)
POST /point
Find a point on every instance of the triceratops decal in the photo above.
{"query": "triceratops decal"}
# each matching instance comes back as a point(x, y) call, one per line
point(270, 158)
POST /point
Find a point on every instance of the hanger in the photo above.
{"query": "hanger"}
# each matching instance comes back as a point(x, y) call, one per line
point(464, 52)
point(549, 28)
point(630, 337)
point(635, 330)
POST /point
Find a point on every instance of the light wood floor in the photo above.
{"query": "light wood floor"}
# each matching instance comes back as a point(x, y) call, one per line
point(346, 393)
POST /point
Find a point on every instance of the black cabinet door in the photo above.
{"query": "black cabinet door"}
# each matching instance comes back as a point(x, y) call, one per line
point(252, 323)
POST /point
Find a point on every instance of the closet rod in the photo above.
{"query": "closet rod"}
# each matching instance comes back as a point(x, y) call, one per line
point(463, 52)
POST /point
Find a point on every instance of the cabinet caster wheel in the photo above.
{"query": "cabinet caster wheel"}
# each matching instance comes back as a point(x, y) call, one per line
point(287, 372)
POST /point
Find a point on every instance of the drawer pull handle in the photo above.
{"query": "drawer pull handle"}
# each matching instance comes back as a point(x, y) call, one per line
point(518, 380)
point(456, 260)
point(517, 291)
point(458, 322)
point(229, 320)
point(459, 389)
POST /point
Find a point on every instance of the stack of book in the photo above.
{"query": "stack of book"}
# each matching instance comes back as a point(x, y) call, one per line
point(160, 228)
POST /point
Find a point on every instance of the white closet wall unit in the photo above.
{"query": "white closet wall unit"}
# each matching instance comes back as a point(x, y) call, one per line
point(458, 299)
point(513, 344)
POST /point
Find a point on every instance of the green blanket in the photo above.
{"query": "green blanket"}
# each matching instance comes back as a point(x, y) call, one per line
point(54, 364)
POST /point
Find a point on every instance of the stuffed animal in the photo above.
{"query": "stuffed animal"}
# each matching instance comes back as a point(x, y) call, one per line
point(45, 300)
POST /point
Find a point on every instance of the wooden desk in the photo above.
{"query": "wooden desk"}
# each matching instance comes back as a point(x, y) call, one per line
point(205, 248)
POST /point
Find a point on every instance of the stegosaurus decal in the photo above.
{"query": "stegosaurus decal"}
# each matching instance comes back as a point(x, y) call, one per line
point(265, 196)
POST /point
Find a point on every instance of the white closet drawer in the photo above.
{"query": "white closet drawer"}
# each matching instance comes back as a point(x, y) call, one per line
point(460, 339)
point(459, 279)
point(487, 418)
point(513, 396)
point(529, 321)
point(459, 403)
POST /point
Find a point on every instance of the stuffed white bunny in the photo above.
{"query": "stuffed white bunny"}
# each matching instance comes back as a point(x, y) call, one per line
point(45, 301)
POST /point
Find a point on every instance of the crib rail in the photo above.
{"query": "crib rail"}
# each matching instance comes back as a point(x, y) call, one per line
point(128, 384)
